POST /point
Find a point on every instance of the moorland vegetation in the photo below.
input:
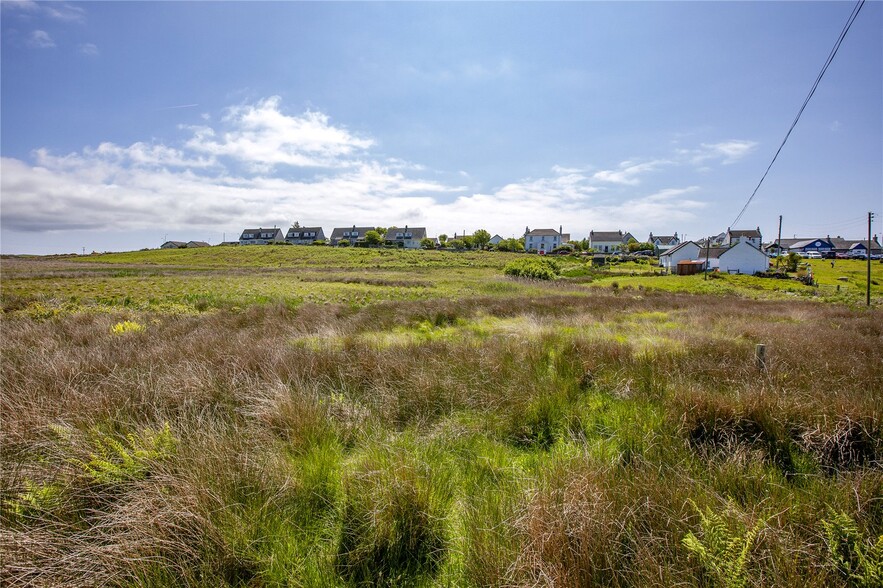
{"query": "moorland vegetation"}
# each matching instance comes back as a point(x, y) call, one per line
point(351, 418)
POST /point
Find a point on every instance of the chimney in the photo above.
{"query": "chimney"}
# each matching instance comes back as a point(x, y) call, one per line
point(526, 230)
point(560, 229)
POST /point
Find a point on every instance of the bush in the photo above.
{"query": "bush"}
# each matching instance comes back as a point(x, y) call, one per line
point(534, 269)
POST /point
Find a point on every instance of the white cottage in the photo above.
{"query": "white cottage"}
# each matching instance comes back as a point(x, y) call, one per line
point(743, 258)
point(686, 251)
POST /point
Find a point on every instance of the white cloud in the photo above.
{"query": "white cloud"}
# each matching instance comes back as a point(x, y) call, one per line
point(41, 40)
point(55, 10)
point(64, 12)
point(263, 137)
point(90, 49)
point(628, 172)
point(726, 152)
point(203, 184)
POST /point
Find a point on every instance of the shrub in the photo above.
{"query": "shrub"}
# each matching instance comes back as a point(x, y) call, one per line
point(858, 561)
point(124, 327)
point(534, 269)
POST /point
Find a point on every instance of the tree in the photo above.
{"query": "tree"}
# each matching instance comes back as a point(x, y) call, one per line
point(442, 239)
point(427, 243)
point(635, 246)
point(373, 238)
point(343, 243)
point(456, 244)
point(468, 241)
point(381, 230)
point(295, 225)
point(481, 238)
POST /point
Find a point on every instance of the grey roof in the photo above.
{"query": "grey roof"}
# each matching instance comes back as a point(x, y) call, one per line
point(301, 230)
point(275, 231)
point(712, 252)
point(750, 233)
point(338, 232)
point(416, 233)
point(606, 235)
point(677, 248)
point(176, 243)
point(852, 243)
point(662, 238)
point(542, 233)
point(197, 244)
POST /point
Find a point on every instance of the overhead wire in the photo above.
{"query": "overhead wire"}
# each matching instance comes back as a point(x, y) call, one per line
point(855, 10)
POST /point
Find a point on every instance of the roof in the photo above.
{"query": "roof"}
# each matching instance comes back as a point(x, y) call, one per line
point(274, 230)
point(301, 230)
point(712, 252)
point(197, 244)
point(806, 242)
point(851, 243)
point(605, 235)
point(338, 232)
point(744, 233)
point(542, 233)
point(678, 247)
point(742, 244)
point(416, 233)
point(176, 243)
point(662, 238)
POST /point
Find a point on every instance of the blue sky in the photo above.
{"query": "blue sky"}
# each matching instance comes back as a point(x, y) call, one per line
point(124, 124)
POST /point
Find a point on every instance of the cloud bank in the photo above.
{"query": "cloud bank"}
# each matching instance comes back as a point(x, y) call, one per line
point(260, 165)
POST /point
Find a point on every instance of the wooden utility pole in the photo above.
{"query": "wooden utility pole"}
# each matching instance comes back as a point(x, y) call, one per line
point(779, 244)
point(707, 253)
point(870, 218)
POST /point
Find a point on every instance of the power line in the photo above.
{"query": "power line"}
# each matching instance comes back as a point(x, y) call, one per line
point(855, 10)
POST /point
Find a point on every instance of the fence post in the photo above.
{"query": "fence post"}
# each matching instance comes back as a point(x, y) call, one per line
point(760, 356)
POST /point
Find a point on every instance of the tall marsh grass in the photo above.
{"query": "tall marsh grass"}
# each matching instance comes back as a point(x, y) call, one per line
point(553, 440)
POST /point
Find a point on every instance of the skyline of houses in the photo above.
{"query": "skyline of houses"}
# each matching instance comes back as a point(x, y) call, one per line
point(546, 240)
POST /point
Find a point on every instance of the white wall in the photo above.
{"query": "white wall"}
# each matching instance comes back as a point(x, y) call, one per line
point(687, 252)
point(744, 259)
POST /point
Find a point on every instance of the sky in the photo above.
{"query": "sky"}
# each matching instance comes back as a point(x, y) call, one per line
point(126, 124)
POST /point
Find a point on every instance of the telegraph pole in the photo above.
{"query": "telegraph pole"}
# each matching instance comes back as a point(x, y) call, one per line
point(779, 244)
point(707, 253)
point(870, 218)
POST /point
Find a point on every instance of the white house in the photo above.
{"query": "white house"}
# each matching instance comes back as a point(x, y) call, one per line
point(409, 238)
point(304, 235)
point(609, 241)
point(352, 234)
point(743, 258)
point(752, 236)
point(686, 251)
point(495, 240)
point(663, 243)
point(261, 236)
point(544, 240)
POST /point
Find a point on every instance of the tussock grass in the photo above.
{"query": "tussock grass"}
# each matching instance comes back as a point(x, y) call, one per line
point(551, 439)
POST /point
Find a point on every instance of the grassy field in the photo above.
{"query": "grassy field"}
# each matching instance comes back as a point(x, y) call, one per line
point(281, 416)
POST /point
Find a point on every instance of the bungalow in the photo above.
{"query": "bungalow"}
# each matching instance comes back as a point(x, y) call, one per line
point(304, 235)
point(261, 236)
point(752, 236)
point(686, 251)
point(352, 234)
point(609, 241)
point(408, 238)
point(173, 245)
point(544, 240)
point(663, 243)
point(192, 244)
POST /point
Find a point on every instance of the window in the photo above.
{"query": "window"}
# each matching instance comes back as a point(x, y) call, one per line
point(408, 235)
